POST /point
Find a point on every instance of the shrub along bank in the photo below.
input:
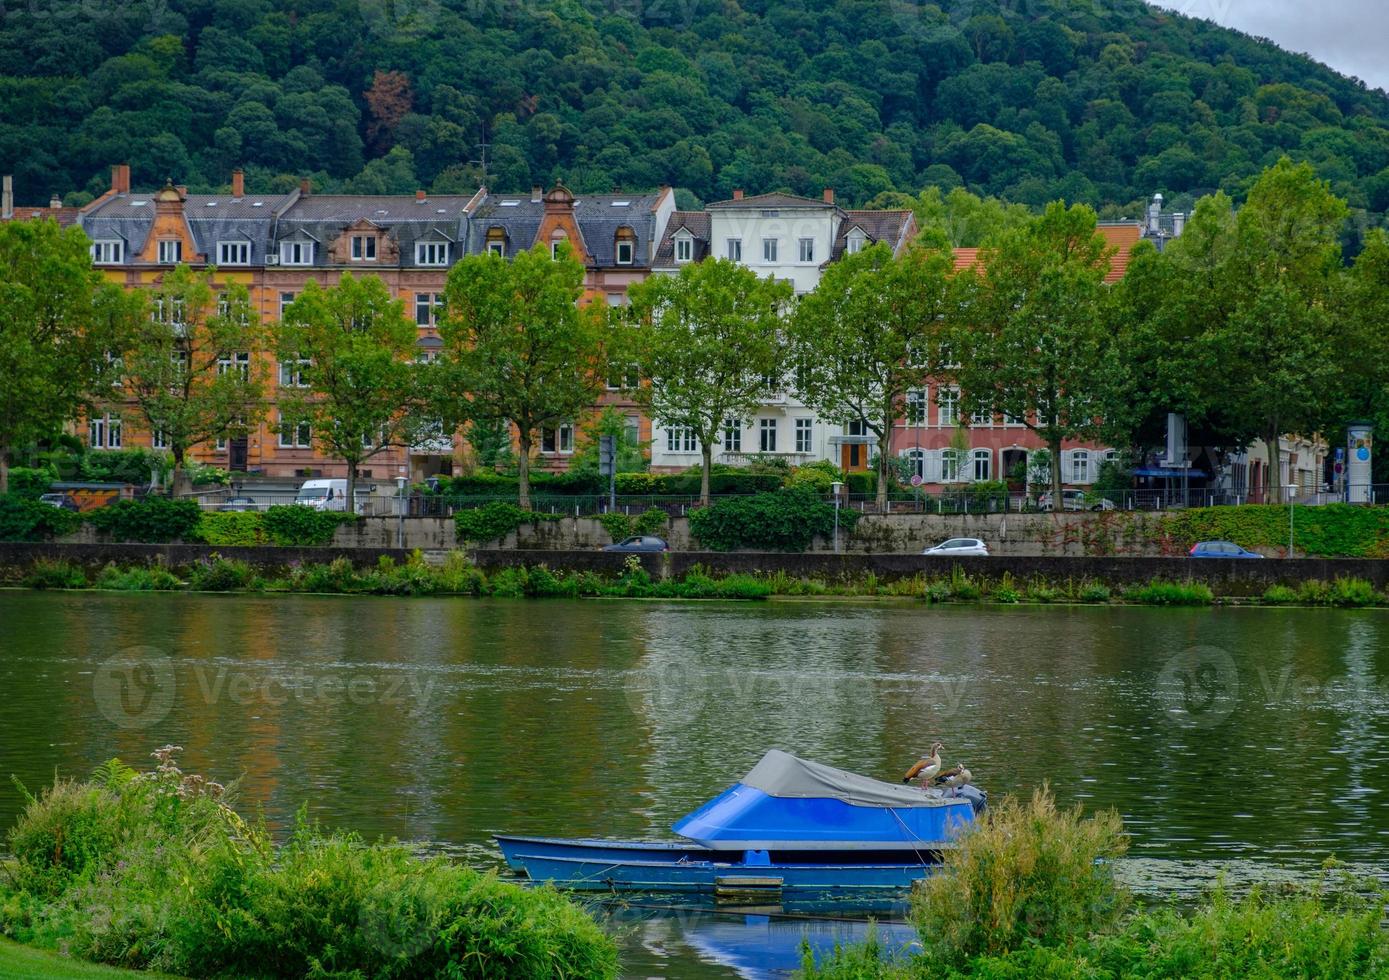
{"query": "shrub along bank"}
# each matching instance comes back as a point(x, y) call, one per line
point(155, 870)
point(1030, 892)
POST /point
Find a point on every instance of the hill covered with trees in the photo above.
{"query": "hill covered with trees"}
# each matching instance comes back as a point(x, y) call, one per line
point(1029, 100)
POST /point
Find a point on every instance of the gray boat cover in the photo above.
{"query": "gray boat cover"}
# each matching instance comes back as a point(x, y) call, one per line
point(782, 774)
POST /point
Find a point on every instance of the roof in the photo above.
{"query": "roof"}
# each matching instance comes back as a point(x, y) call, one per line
point(1123, 236)
point(64, 216)
point(598, 217)
point(880, 226)
point(697, 224)
point(773, 200)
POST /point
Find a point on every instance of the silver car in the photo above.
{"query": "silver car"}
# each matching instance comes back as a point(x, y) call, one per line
point(960, 547)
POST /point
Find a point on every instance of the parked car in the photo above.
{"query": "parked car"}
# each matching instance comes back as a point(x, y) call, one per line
point(1074, 500)
point(60, 500)
point(960, 546)
point(640, 542)
point(238, 504)
point(1220, 549)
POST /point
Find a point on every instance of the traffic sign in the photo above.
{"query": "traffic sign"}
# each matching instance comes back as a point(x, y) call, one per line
point(916, 479)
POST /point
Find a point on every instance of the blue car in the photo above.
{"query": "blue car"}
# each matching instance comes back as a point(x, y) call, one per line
point(1220, 549)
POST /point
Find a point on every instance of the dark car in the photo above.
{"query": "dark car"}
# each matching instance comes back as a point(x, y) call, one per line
point(59, 500)
point(641, 542)
point(1220, 549)
point(238, 504)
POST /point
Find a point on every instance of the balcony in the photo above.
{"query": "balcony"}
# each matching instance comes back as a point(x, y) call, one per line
point(743, 459)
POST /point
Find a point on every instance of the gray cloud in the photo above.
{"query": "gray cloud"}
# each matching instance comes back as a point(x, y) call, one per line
point(1348, 35)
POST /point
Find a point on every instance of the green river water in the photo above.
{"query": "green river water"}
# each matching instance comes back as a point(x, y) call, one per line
point(1245, 742)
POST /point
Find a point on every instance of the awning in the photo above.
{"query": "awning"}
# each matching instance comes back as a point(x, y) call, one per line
point(1173, 472)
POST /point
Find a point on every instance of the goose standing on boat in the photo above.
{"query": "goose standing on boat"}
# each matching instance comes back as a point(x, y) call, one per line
point(954, 777)
point(927, 768)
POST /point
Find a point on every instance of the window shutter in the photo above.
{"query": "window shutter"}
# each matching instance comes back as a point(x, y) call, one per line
point(932, 466)
point(1068, 466)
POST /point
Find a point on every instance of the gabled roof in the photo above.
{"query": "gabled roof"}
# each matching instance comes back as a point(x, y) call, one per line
point(64, 216)
point(1122, 235)
point(694, 222)
point(893, 227)
point(773, 200)
point(597, 216)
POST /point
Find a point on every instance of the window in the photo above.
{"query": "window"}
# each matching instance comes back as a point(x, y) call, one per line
point(104, 432)
point(431, 253)
point(560, 439)
point(170, 252)
point(1080, 467)
point(854, 243)
point(363, 248)
point(804, 429)
point(233, 253)
point(807, 249)
point(626, 251)
point(623, 377)
point(240, 362)
point(983, 465)
point(427, 307)
point(555, 248)
point(950, 465)
point(292, 373)
point(735, 250)
point(168, 310)
point(916, 407)
point(1011, 419)
point(684, 249)
point(631, 430)
point(680, 439)
point(948, 400)
point(108, 252)
point(617, 299)
point(294, 435)
point(916, 458)
point(285, 300)
point(496, 242)
point(766, 431)
point(978, 419)
point(296, 253)
point(158, 440)
point(732, 436)
point(769, 249)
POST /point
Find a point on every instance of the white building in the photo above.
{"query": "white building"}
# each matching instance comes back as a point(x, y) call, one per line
point(791, 239)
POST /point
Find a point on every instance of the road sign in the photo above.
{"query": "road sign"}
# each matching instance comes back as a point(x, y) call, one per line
point(916, 479)
point(607, 455)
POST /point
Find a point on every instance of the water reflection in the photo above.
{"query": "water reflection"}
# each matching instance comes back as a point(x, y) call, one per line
point(1248, 736)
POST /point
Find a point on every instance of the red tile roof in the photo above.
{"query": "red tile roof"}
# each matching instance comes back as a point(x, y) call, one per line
point(1121, 236)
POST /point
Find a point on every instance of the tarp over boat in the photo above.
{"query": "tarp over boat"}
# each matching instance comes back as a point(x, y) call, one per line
point(786, 803)
point(784, 775)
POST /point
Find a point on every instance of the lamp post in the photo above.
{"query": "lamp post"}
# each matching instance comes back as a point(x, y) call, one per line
point(400, 512)
point(1292, 492)
point(834, 489)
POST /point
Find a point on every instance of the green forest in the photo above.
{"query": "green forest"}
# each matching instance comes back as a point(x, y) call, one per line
point(1027, 100)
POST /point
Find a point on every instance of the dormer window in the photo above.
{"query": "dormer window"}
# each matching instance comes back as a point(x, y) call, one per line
point(684, 248)
point(363, 248)
point(170, 251)
point(108, 252)
point(296, 253)
point(626, 246)
point(855, 241)
point(496, 242)
point(431, 253)
point(233, 253)
point(556, 244)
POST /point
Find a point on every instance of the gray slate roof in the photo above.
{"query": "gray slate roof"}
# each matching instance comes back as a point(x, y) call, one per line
point(697, 223)
point(879, 226)
point(773, 200)
point(599, 216)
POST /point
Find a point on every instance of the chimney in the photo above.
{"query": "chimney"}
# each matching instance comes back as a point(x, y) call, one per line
point(120, 178)
point(829, 195)
point(1155, 215)
point(419, 197)
point(537, 193)
point(7, 199)
point(238, 182)
point(738, 194)
point(1178, 223)
point(55, 201)
point(305, 187)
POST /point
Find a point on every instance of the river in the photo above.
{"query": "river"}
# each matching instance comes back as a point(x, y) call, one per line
point(1249, 742)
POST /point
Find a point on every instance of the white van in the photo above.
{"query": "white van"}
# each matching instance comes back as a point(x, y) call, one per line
point(323, 494)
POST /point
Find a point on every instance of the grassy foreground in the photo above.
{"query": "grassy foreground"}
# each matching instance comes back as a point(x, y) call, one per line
point(456, 576)
point(156, 871)
point(1031, 893)
point(26, 963)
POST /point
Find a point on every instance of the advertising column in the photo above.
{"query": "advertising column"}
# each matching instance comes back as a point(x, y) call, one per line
point(1358, 479)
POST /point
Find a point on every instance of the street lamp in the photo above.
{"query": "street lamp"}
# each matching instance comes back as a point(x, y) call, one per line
point(400, 512)
point(834, 489)
point(1292, 492)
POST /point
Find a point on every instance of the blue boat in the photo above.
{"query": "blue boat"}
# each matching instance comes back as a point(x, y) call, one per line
point(790, 825)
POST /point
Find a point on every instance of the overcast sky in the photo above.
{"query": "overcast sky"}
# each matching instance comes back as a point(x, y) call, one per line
point(1348, 35)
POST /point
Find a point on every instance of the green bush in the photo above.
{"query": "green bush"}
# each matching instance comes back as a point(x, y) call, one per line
point(122, 466)
point(218, 574)
point(338, 576)
point(294, 525)
point(233, 529)
point(26, 482)
point(26, 519)
point(1094, 592)
point(617, 524)
point(1028, 875)
point(1342, 530)
point(786, 520)
point(205, 474)
point(48, 573)
point(157, 871)
point(1162, 593)
point(818, 476)
point(137, 579)
point(480, 484)
point(153, 519)
point(861, 482)
point(639, 484)
point(493, 521)
point(1279, 595)
point(1353, 592)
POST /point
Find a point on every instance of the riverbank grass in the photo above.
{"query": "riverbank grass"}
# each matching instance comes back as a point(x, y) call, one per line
point(156, 871)
point(27, 963)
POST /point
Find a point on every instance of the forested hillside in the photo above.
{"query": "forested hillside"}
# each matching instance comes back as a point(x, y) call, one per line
point(1026, 99)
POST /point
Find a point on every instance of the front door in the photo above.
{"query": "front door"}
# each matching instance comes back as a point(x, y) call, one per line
point(236, 455)
point(854, 455)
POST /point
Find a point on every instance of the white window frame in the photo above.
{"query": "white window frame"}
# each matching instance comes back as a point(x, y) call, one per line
point(363, 248)
point(981, 465)
point(950, 465)
point(497, 246)
point(239, 361)
point(555, 243)
point(108, 251)
point(432, 253)
point(298, 435)
point(286, 300)
point(233, 253)
point(158, 440)
point(1080, 469)
point(681, 439)
point(806, 249)
point(947, 406)
point(170, 251)
point(296, 253)
point(105, 431)
point(735, 249)
point(428, 306)
point(630, 247)
point(766, 435)
point(855, 242)
point(558, 440)
point(918, 460)
point(770, 250)
point(684, 248)
point(917, 408)
point(981, 420)
point(292, 372)
point(805, 435)
point(732, 436)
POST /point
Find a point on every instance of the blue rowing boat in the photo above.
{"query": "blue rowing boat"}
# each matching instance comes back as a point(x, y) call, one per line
point(790, 825)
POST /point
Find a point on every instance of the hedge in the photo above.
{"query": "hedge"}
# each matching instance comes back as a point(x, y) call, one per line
point(786, 520)
point(295, 525)
point(493, 521)
point(25, 518)
point(153, 519)
point(26, 482)
point(1339, 530)
point(232, 530)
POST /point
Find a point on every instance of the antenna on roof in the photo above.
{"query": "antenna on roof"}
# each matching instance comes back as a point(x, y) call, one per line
point(484, 146)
